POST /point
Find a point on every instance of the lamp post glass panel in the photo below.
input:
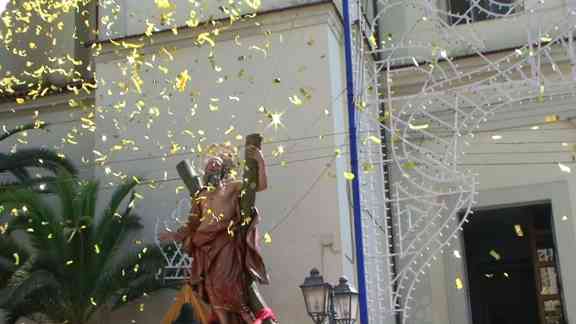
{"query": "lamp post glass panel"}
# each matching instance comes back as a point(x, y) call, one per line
point(337, 304)
point(317, 295)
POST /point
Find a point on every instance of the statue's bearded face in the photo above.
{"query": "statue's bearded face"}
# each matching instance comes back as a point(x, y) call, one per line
point(214, 172)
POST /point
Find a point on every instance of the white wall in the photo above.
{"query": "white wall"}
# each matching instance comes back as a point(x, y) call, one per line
point(305, 198)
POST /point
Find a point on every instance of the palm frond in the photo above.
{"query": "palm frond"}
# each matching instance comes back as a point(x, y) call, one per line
point(11, 255)
point(82, 257)
point(114, 226)
point(8, 165)
point(36, 158)
point(40, 223)
point(22, 128)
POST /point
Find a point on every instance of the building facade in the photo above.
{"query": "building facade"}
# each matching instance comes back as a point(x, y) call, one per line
point(173, 79)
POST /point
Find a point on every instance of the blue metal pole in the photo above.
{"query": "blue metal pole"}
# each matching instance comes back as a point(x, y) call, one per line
point(363, 300)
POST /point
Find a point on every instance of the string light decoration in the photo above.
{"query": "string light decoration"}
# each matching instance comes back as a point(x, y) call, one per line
point(423, 84)
point(178, 262)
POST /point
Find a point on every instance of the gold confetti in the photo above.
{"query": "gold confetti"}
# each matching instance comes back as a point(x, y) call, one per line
point(295, 100)
point(368, 167)
point(552, 118)
point(182, 81)
point(518, 230)
point(410, 165)
point(419, 127)
point(70, 262)
point(459, 284)
point(16, 258)
point(495, 255)
point(229, 130)
point(254, 4)
point(97, 248)
point(93, 301)
point(164, 4)
point(372, 40)
point(564, 168)
point(374, 139)
point(205, 38)
point(349, 176)
point(267, 238)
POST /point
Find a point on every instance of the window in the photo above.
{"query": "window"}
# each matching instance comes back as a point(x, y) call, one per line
point(465, 11)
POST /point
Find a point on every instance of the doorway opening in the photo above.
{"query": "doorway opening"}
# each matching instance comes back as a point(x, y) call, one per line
point(513, 270)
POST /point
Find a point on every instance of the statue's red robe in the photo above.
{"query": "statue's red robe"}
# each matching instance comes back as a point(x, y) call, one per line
point(225, 258)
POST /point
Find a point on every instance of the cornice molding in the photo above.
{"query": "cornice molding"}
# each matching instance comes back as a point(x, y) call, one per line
point(277, 22)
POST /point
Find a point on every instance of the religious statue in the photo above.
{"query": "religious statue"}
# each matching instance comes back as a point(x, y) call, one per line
point(221, 237)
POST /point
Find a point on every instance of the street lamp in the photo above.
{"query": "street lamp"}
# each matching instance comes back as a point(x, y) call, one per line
point(339, 304)
point(345, 301)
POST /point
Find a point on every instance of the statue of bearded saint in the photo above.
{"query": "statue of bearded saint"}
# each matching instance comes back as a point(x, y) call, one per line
point(223, 244)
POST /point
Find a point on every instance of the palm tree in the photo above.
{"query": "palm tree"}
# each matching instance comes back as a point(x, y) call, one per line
point(18, 163)
point(73, 266)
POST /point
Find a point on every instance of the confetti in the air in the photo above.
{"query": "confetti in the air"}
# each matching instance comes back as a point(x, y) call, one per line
point(459, 284)
point(349, 176)
point(267, 238)
point(495, 255)
point(182, 81)
point(564, 168)
point(419, 127)
point(519, 231)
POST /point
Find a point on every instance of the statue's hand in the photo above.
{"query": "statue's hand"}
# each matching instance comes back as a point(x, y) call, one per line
point(169, 236)
point(252, 152)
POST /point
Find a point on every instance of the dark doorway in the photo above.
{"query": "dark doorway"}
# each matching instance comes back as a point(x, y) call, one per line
point(513, 272)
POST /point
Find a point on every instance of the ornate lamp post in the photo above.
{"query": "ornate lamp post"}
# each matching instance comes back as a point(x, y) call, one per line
point(337, 304)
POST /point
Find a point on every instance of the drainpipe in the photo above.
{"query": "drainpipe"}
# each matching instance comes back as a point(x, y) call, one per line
point(363, 301)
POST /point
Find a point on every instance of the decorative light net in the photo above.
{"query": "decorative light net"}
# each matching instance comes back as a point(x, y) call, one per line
point(427, 73)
